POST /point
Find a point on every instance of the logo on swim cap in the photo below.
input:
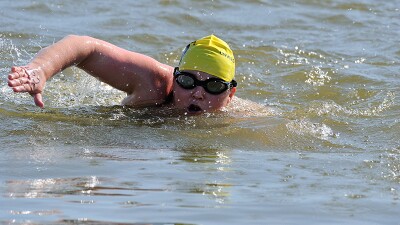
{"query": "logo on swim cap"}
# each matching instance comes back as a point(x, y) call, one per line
point(210, 55)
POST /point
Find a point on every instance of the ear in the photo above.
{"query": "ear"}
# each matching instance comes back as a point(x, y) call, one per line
point(233, 90)
point(231, 94)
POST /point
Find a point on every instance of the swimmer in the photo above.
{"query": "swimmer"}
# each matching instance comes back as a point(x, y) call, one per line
point(202, 82)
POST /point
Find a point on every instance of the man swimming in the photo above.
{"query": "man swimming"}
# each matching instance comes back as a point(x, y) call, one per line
point(202, 82)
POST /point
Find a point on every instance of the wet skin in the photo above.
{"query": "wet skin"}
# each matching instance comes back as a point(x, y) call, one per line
point(197, 100)
point(146, 81)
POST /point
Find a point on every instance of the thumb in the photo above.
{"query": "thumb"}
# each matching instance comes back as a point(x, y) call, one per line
point(38, 100)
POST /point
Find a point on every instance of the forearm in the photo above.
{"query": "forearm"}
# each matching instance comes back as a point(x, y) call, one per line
point(69, 51)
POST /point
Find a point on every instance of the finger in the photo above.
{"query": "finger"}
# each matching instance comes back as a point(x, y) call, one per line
point(22, 88)
point(38, 100)
point(18, 82)
point(17, 72)
point(13, 76)
point(19, 89)
point(15, 69)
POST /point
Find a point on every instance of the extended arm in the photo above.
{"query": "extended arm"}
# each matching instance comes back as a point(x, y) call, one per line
point(127, 71)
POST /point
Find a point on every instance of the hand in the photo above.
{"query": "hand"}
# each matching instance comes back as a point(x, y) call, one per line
point(25, 79)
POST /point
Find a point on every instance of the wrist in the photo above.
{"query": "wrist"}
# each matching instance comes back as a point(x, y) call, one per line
point(34, 75)
point(35, 70)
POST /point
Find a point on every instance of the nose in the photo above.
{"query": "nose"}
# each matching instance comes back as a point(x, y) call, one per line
point(198, 93)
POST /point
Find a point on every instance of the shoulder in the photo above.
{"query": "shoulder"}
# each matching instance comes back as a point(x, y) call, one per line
point(152, 88)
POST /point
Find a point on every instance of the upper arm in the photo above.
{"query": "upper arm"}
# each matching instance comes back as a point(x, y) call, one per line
point(128, 71)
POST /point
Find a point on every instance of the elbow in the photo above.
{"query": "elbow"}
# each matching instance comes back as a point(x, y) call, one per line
point(83, 46)
point(77, 38)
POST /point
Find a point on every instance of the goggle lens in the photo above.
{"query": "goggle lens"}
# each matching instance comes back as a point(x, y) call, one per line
point(185, 81)
point(213, 85)
point(216, 87)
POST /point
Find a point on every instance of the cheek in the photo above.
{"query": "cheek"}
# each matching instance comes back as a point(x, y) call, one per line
point(180, 96)
point(218, 101)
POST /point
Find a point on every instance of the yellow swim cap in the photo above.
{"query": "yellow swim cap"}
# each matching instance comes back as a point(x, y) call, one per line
point(210, 55)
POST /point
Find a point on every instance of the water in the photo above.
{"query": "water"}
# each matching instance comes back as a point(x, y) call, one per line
point(321, 147)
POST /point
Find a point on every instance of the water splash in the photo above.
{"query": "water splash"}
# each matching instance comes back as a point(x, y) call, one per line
point(74, 88)
point(393, 165)
point(332, 108)
point(298, 56)
point(306, 127)
point(317, 76)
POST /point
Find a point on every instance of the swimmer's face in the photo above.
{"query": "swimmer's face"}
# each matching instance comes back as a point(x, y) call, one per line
point(198, 100)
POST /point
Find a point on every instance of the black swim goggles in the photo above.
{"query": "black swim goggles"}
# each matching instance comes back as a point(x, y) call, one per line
point(213, 86)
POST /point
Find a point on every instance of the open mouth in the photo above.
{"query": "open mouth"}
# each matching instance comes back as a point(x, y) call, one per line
point(194, 108)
